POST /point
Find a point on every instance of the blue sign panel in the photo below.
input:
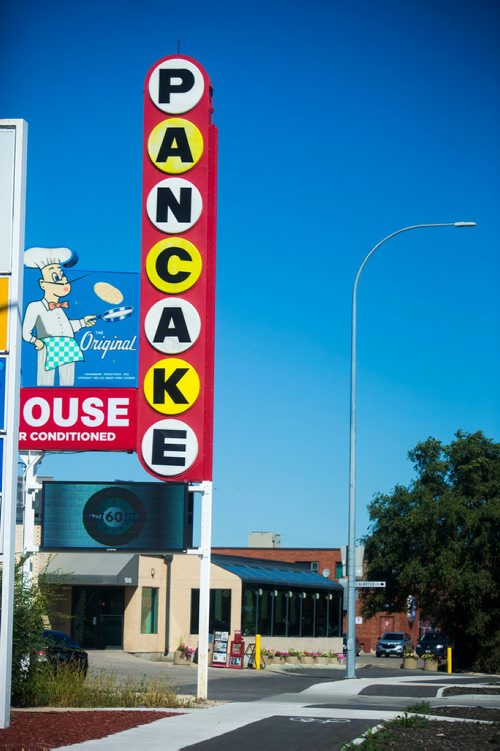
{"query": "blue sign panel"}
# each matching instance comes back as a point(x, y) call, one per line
point(80, 328)
point(142, 516)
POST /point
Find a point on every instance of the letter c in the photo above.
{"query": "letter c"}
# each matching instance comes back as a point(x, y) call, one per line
point(173, 265)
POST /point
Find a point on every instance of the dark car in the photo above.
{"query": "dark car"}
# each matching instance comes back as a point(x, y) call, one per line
point(393, 643)
point(344, 645)
point(61, 649)
point(433, 643)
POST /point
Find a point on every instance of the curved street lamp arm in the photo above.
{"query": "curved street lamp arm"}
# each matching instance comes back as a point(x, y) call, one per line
point(351, 540)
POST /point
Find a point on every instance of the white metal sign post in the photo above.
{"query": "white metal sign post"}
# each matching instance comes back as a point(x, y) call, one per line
point(13, 149)
point(204, 551)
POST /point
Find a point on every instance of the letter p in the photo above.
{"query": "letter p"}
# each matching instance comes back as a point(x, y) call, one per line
point(174, 81)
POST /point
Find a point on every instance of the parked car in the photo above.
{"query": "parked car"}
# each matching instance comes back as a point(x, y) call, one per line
point(344, 645)
point(61, 649)
point(393, 643)
point(435, 643)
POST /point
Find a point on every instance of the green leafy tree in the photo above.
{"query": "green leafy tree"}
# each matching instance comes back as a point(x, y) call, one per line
point(438, 540)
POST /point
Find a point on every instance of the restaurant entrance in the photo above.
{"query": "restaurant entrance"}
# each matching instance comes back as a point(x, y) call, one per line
point(97, 616)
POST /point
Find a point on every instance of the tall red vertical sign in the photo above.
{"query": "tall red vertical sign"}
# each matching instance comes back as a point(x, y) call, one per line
point(176, 353)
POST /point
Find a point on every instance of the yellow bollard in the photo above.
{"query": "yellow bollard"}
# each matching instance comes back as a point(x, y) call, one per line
point(448, 660)
point(257, 651)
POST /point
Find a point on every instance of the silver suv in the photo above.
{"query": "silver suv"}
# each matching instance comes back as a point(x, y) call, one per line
point(393, 643)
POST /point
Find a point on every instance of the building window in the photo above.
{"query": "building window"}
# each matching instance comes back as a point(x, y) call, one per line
point(220, 610)
point(149, 610)
point(287, 612)
point(315, 566)
point(339, 570)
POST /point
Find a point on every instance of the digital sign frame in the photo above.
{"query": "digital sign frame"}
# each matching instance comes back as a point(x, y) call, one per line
point(145, 517)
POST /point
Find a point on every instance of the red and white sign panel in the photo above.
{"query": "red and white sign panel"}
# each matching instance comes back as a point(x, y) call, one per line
point(176, 353)
point(77, 419)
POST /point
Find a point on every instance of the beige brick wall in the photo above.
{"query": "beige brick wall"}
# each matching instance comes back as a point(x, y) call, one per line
point(186, 576)
point(152, 573)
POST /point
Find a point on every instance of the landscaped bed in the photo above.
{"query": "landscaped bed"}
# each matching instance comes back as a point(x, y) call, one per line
point(417, 732)
point(40, 731)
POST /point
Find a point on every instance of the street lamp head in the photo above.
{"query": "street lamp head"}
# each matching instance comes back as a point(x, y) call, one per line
point(464, 224)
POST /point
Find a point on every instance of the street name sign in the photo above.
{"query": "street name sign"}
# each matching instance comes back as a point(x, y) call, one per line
point(369, 585)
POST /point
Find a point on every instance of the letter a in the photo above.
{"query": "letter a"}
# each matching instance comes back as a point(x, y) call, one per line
point(172, 324)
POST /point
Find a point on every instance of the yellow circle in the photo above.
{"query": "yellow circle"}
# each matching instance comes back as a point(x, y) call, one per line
point(171, 386)
point(175, 145)
point(173, 265)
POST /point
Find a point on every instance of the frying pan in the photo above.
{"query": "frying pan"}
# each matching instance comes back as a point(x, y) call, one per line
point(116, 314)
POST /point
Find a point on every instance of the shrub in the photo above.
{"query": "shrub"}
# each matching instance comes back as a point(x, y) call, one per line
point(29, 610)
point(488, 657)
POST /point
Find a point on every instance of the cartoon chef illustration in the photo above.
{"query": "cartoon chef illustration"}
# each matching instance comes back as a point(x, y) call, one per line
point(46, 324)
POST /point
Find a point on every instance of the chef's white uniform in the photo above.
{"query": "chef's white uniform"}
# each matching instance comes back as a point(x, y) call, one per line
point(61, 349)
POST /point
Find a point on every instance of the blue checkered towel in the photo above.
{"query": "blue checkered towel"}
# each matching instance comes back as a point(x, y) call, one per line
point(61, 350)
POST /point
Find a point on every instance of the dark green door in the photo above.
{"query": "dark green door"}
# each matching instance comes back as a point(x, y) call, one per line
point(97, 616)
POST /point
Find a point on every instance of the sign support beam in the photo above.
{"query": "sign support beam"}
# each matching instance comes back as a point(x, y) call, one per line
point(13, 153)
point(204, 551)
point(30, 460)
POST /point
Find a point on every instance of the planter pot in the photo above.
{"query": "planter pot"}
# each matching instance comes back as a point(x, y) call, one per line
point(180, 659)
point(322, 660)
point(410, 663)
point(431, 665)
point(306, 660)
point(292, 660)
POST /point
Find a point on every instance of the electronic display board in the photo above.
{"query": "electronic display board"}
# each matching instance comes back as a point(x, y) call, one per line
point(139, 516)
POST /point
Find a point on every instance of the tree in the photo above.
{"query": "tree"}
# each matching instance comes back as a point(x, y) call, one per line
point(438, 539)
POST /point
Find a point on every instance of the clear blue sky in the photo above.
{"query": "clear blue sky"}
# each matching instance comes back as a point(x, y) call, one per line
point(338, 123)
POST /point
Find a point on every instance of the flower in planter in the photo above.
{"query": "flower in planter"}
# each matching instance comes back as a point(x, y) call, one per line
point(410, 653)
point(295, 652)
point(266, 652)
point(429, 656)
point(186, 650)
point(282, 654)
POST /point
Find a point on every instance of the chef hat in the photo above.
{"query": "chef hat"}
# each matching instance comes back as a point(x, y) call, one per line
point(38, 258)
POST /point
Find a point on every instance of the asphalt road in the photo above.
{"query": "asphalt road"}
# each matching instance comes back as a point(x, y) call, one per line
point(227, 684)
point(295, 733)
point(252, 685)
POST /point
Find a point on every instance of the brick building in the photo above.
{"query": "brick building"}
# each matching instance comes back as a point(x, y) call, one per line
point(328, 563)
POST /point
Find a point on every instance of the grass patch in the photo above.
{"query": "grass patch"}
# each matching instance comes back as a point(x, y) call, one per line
point(69, 688)
point(407, 721)
point(376, 740)
point(373, 740)
point(422, 707)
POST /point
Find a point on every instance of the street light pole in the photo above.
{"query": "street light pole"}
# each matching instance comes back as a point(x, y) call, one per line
point(351, 546)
